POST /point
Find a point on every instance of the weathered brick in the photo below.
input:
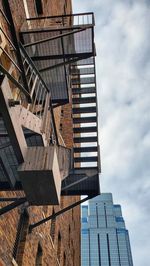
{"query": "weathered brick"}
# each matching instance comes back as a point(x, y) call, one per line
point(68, 224)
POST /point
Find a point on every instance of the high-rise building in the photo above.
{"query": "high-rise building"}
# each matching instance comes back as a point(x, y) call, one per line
point(104, 238)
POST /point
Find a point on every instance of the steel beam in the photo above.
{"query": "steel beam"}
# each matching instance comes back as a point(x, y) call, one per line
point(70, 61)
point(78, 181)
point(80, 56)
point(12, 205)
point(32, 226)
point(9, 199)
point(5, 186)
point(56, 37)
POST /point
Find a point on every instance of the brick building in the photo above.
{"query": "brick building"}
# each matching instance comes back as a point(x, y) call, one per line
point(40, 127)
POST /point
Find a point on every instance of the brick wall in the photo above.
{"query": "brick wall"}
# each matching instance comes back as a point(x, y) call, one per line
point(68, 224)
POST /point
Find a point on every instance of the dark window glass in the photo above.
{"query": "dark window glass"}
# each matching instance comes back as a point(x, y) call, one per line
point(39, 256)
point(39, 7)
point(59, 247)
point(52, 229)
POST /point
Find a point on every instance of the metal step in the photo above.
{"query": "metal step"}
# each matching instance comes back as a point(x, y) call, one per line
point(84, 100)
point(86, 159)
point(85, 149)
point(83, 90)
point(84, 129)
point(85, 139)
point(80, 120)
point(85, 80)
point(83, 71)
point(86, 61)
point(84, 169)
point(81, 110)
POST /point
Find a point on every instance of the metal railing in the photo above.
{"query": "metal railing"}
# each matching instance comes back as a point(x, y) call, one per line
point(16, 76)
point(67, 20)
point(35, 96)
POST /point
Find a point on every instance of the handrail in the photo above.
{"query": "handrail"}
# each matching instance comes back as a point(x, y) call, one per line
point(4, 16)
point(8, 39)
point(3, 70)
point(32, 64)
point(26, 56)
point(75, 19)
point(59, 16)
point(13, 62)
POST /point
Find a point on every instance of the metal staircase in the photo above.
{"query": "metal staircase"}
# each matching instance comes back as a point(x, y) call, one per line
point(84, 177)
point(85, 116)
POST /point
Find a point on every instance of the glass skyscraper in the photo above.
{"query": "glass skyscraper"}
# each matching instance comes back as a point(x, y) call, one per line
point(104, 237)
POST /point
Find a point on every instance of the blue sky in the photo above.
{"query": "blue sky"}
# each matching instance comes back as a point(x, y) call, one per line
point(122, 37)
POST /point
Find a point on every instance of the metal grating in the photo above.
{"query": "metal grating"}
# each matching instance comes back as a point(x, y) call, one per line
point(81, 185)
point(52, 57)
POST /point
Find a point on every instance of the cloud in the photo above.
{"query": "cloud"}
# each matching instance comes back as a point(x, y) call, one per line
point(123, 77)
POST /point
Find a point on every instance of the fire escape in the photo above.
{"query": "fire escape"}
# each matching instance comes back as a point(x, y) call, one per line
point(51, 63)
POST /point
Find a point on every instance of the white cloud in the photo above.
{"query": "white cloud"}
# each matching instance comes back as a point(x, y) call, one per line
point(123, 77)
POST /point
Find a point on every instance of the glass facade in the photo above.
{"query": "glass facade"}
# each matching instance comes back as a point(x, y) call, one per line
point(104, 237)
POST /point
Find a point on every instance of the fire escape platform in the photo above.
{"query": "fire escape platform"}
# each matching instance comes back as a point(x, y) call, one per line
point(53, 43)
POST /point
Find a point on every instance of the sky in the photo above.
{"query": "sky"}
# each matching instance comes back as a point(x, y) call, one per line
point(122, 38)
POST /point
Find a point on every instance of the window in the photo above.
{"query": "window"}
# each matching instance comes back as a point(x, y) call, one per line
point(119, 219)
point(84, 231)
point(69, 236)
point(84, 220)
point(59, 246)
point(62, 112)
point(52, 230)
point(22, 231)
point(60, 126)
point(64, 259)
point(39, 7)
point(0, 39)
point(39, 256)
